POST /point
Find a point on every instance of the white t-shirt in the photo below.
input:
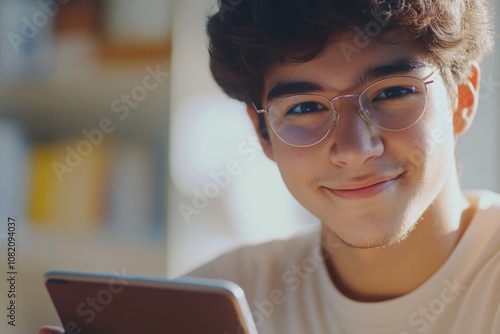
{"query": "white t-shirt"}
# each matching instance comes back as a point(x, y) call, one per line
point(289, 289)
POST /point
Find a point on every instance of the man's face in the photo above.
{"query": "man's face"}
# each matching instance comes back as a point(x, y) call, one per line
point(367, 185)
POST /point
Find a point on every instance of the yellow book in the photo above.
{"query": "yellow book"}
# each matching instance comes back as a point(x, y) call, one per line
point(81, 195)
point(69, 185)
point(43, 182)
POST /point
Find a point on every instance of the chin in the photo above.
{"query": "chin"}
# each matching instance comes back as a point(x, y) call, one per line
point(374, 234)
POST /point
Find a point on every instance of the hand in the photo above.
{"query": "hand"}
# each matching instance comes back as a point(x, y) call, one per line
point(50, 330)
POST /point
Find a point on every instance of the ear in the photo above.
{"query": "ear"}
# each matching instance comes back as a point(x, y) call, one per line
point(467, 101)
point(263, 134)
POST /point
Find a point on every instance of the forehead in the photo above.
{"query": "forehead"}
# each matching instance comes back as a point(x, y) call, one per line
point(342, 67)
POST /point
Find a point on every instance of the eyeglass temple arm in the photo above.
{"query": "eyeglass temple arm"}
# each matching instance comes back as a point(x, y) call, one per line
point(259, 111)
point(430, 78)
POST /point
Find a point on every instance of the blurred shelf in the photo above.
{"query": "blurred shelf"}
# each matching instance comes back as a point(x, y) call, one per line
point(65, 106)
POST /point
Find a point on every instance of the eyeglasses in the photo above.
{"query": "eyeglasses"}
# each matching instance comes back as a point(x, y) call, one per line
point(392, 104)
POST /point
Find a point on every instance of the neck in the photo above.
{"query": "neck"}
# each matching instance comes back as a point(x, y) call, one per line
point(389, 272)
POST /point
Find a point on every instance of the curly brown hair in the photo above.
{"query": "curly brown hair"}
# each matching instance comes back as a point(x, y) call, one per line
point(248, 37)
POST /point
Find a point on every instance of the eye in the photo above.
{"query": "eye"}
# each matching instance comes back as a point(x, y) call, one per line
point(306, 108)
point(395, 92)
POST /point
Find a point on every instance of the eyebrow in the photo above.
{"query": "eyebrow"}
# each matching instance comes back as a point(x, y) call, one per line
point(283, 88)
point(371, 73)
point(398, 67)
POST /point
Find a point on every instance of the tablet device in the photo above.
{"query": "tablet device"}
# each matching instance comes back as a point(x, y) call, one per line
point(94, 303)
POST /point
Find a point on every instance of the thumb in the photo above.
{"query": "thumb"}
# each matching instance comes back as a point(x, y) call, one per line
point(50, 330)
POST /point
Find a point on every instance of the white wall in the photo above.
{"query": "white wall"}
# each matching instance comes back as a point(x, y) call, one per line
point(479, 149)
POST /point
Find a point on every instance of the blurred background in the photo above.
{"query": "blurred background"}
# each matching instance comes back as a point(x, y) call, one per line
point(119, 152)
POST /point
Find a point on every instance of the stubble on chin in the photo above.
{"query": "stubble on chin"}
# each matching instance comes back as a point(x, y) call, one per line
point(365, 240)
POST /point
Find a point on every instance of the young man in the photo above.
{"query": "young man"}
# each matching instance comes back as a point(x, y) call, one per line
point(360, 104)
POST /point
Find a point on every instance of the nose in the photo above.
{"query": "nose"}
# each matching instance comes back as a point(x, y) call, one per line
point(354, 139)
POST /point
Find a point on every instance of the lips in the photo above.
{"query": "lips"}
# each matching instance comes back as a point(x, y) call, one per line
point(366, 188)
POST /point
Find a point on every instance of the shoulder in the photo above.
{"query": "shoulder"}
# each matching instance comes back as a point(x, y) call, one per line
point(472, 279)
point(251, 265)
point(486, 221)
point(479, 244)
point(477, 256)
point(485, 199)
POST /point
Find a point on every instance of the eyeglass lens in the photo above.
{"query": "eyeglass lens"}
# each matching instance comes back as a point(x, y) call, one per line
point(391, 104)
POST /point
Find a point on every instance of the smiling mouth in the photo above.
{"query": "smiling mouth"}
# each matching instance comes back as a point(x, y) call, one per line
point(365, 191)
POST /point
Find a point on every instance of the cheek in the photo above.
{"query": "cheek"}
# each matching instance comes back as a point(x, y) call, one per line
point(430, 151)
point(297, 166)
point(293, 165)
point(438, 119)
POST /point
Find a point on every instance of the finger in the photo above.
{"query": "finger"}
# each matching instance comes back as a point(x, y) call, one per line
point(50, 330)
